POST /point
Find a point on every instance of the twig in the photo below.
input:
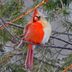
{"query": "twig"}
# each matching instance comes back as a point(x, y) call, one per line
point(59, 47)
point(61, 40)
point(62, 4)
point(13, 37)
point(51, 37)
point(17, 26)
point(43, 57)
point(62, 33)
point(30, 10)
point(21, 27)
point(23, 14)
point(46, 62)
point(9, 55)
point(5, 58)
point(69, 67)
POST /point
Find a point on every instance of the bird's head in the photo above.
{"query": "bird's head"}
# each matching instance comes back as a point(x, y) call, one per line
point(37, 15)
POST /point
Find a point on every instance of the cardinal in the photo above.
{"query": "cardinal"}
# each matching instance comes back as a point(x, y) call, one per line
point(37, 31)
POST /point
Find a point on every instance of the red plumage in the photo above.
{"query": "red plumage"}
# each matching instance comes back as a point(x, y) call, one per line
point(37, 31)
point(34, 33)
point(29, 58)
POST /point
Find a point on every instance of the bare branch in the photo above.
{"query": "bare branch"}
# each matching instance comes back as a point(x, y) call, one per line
point(69, 67)
point(59, 47)
point(6, 58)
point(62, 3)
point(61, 40)
point(23, 14)
point(62, 33)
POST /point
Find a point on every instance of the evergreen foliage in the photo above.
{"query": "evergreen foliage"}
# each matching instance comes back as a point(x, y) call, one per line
point(10, 10)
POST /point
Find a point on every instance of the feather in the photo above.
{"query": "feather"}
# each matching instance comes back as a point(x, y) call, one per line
point(29, 57)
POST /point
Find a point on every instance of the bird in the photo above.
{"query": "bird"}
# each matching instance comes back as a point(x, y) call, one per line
point(37, 31)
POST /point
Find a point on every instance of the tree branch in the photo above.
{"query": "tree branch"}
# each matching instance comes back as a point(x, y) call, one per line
point(62, 33)
point(6, 58)
point(17, 26)
point(51, 37)
point(23, 14)
point(58, 47)
point(61, 40)
point(66, 69)
point(62, 4)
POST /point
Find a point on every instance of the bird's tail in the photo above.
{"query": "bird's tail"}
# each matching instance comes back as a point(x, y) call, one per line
point(29, 57)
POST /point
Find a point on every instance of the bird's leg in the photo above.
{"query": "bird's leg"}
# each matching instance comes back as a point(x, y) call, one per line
point(20, 43)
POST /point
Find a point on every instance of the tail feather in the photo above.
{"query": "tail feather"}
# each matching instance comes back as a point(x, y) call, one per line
point(29, 57)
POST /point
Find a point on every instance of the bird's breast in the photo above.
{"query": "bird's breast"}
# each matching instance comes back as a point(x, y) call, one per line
point(35, 33)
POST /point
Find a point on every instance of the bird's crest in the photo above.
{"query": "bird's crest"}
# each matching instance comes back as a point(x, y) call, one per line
point(35, 13)
point(39, 13)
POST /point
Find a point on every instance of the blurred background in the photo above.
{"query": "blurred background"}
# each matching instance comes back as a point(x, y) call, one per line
point(58, 53)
